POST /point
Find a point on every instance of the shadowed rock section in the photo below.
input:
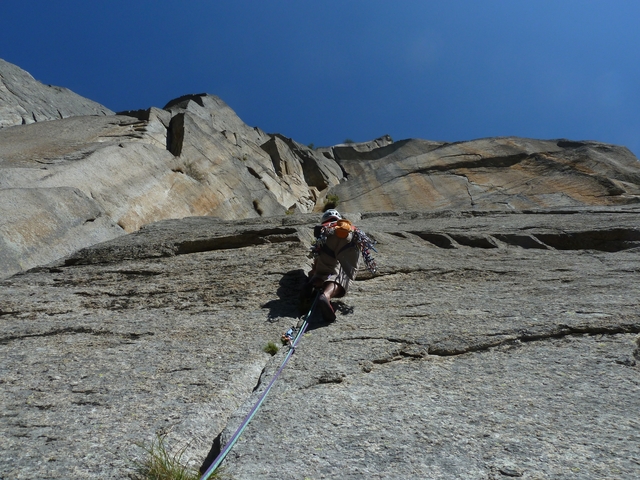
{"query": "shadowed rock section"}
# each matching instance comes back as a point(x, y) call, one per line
point(607, 241)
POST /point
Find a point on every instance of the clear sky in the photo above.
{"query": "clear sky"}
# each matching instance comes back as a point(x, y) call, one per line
point(323, 71)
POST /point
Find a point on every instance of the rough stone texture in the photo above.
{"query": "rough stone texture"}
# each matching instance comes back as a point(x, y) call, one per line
point(493, 173)
point(319, 171)
point(38, 224)
point(115, 361)
point(500, 338)
point(491, 345)
point(25, 100)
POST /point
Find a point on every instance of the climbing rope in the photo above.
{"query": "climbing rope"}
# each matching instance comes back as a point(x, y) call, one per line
point(292, 346)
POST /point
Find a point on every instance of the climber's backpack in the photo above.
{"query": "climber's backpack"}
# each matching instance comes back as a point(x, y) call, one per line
point(348, 254)
point(343, 228)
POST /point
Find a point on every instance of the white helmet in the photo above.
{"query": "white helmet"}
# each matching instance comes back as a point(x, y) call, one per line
point(331, 215)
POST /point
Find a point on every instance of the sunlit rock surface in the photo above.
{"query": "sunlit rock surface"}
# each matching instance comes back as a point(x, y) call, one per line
point(489, 342)
point(147, 258)
point(194, 157)
point(493, 173)
point(25, 100)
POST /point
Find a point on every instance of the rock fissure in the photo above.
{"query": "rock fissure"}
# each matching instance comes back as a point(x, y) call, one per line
point(368, 337)
point(468, 187)
point(259, 381)
point(440, 349)
point(246, 239)
point(141, 273)
point(75, 330)
point(459, 347)
point(486, 162)
point(612, 240)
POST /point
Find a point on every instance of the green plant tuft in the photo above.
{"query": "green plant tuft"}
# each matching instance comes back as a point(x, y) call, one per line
point(311, 146)
point(348, 140)
point(271, 348)
point(160, 464)
point(331, 201)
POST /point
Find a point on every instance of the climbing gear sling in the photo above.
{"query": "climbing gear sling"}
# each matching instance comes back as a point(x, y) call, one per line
point(292, 347)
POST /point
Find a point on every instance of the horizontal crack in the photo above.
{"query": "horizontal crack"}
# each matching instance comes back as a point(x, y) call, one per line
point(74, 330)
point(245, 239)
point(526, 336)
point(388, 339)
point(446, 349)
point(113, 252)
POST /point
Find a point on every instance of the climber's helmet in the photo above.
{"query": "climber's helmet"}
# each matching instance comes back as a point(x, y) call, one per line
point(331, 215)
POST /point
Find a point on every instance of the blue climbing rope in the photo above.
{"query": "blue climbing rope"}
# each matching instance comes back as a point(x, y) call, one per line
point(223, 453)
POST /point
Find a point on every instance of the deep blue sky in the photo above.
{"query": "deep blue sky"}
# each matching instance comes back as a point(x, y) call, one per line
point(324, 71)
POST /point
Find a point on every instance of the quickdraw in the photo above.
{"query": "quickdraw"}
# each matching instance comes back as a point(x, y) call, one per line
point(287, 337)
point(319, 242)
point(365, 244)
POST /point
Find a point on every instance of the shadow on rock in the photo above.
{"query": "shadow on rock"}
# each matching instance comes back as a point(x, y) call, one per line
point(316, 320)
point(342, 307)
point(288, 303)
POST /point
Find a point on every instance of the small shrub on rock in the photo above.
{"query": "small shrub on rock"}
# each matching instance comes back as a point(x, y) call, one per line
point(271, 348)
point(160, 464)
point(331, 201)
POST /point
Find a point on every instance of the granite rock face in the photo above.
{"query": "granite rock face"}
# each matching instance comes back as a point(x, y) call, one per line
point(24, 100)
point(494, 173)
point(148, 257)
point(491, 344)
point(38, 224)
point(197, 157)
point(194, 157)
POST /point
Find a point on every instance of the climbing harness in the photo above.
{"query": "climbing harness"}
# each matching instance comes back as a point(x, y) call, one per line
point(292, 346)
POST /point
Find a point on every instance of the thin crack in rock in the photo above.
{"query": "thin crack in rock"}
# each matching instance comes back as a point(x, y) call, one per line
point(74, 330)
point(524, 336)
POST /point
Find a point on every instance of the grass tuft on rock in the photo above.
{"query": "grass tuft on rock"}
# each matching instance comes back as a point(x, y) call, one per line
point(331, 201)
point(161, 464)
point(271, 348)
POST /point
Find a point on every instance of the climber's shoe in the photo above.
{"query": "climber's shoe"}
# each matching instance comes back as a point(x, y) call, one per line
point(326, 309)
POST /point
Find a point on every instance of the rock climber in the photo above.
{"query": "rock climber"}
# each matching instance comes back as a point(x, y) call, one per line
point(336, 251)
